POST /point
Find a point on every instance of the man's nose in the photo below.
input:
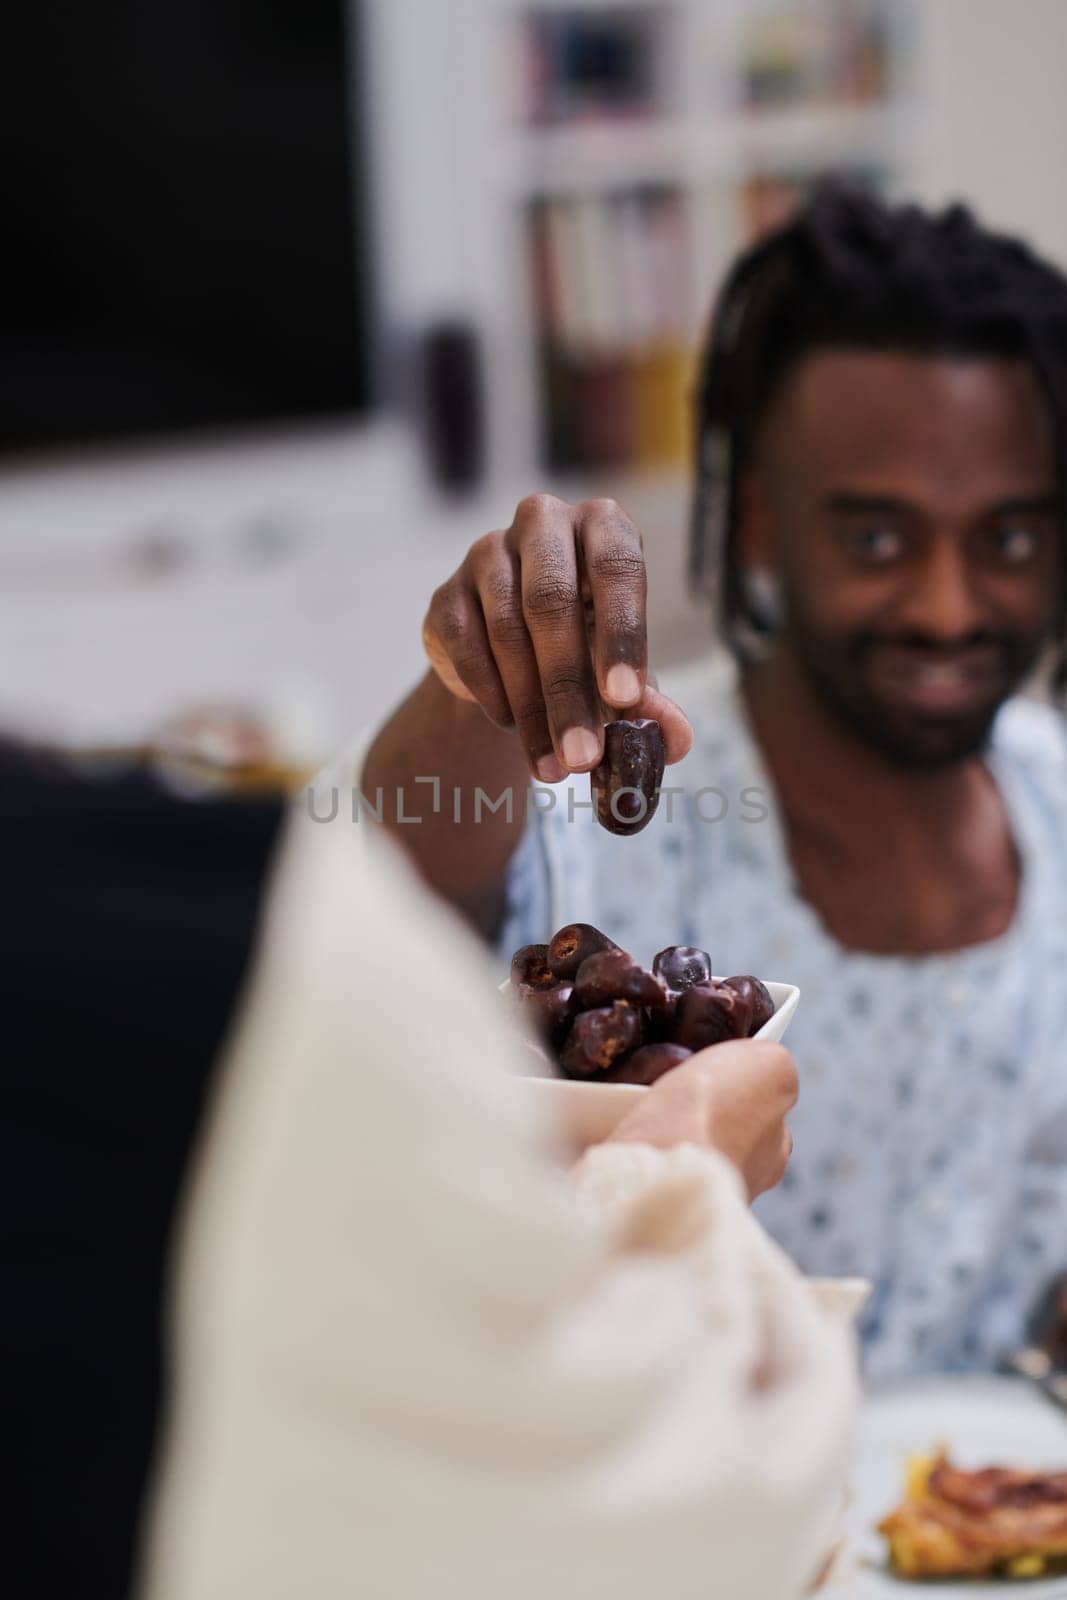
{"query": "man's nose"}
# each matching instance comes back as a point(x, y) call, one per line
point(942, 602)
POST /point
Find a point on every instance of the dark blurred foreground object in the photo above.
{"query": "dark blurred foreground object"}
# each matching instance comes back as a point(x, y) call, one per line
point(129, 916)
point(1042, 1360)
point(454, 405)
point(1048, 1324)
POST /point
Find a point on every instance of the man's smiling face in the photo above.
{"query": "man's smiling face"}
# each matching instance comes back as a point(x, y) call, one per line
point(910, 508)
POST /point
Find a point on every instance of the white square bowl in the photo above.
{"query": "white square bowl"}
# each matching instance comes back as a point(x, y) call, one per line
point(590, 1111)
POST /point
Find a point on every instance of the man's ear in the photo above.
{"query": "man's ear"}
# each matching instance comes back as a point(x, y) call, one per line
point(756, 554)
point(755, 546)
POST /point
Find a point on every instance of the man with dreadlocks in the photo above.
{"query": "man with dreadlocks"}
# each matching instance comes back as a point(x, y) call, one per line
point(865, 806)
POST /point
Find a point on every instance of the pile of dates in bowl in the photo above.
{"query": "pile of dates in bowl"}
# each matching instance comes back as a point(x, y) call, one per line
point(603, 1018)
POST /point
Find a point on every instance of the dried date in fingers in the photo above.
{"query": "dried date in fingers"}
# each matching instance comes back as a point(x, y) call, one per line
point(530, 966)
point(598, 1038)
point(758, 996)
point(680, 966)
point(625, 786)
point(613, 975)
point(648, 1064)
point(549, 1010)
point(710, 1013)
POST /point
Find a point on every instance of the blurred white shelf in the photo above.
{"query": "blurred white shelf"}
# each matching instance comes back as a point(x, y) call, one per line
point(804, 137)
point(687, 152)
point(596, 155)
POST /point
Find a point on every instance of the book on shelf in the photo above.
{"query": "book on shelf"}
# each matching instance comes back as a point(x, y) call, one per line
point(813, 52)
point(611, 293)
point(583, 65)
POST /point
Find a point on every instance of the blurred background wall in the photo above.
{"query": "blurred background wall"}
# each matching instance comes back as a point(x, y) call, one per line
point(995, 113)
point(304, 296)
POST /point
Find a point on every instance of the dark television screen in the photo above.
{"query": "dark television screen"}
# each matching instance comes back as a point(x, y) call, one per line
point(182, 208)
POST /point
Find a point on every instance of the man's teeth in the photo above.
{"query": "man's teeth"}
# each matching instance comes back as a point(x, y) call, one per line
point(941, 676)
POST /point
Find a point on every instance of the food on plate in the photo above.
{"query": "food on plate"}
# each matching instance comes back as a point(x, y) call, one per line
point(994, 1522)
point(625, 786)
point(607, 1018)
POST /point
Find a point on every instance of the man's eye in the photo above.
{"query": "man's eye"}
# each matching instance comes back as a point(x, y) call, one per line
point(877, 542)
point(1014, 543)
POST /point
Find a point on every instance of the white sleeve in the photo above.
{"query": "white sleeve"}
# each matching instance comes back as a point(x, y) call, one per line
point(415, 1357)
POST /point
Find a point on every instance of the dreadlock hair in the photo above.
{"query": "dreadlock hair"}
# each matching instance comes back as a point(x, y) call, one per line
point(851, 272)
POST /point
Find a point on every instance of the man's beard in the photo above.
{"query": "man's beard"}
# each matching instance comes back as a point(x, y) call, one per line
point(921, 741)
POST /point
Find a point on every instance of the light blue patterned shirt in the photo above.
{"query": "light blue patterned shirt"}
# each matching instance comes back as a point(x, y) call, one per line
point(931, 1133)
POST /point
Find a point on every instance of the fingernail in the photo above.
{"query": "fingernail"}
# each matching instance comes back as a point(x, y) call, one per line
point(622, 685)
point(580, 747)
point(549, 770)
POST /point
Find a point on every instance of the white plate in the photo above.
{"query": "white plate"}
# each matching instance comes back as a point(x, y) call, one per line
point(590, 1111)
point(982, 1422)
